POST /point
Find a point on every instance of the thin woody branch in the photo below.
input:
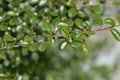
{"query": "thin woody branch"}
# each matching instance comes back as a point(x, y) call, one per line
point(105, 28)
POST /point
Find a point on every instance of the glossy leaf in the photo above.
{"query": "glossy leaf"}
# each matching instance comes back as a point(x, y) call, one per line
point(20, 36)
point(62, 10)
point(25, 51)
point(32, 48)
point(84, 53)
point(10, 45)
point(69, 22)
point(8, 37)
point(65, 33)
point(72, 12)
point(70, 3)
point(27, 38)
point(42, 2)
point(3, 27)
point(63, 45)
point(42, 47)
point(13, 21)
point(115, 33)
point(109, 21)
point(97, 10)
point(88, 24)
point(81, 14)
point(79, 23)
point(46, 26)
point(98, 21)
point(62, 24)
point(76, 43)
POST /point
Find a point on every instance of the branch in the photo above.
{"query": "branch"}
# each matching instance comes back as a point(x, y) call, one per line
point(105, 28)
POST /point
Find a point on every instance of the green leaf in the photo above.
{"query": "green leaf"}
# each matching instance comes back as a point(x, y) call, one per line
point(72, 12)
point(37, 37)
point(47, 35)
point(115, 33)
point(27, 38)
point(46, 26)
point(13, 21)
point(79, 23)
point(42, 47)
point(62, 24)
point(63, 45)
point(25, 51)
point(8, 37)
point(3, 27)
point(42, 2)
point(11, 13)
point(33, 20)
point(84, 53)
point(65, 33)
point(109, 21)
point(97, 10)
point(69, 22)
point(20, 36)
point(32, 48)
point(98, 21)
point(34, 1)
point(88, 24)
point(12, 52)
point(10, 45)
point(62, 10)
point(70, 3)
point(76, 43)
point(81, 14)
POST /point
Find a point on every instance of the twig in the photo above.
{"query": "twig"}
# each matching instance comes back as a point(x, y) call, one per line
point(105, 28)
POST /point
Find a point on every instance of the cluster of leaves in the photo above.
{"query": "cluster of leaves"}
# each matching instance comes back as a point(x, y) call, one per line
point(28, 26)
point(41, 21)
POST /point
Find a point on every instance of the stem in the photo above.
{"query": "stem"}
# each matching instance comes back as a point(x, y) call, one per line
point(105, 28)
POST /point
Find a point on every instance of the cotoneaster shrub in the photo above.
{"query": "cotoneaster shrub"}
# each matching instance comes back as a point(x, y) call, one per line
point(32, 32)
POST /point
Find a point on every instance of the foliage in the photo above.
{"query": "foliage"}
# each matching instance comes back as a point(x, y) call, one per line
point(33, 31)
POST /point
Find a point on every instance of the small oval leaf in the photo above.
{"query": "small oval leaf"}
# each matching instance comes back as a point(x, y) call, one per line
point(46, 26)
point(63, 45)
point(65, 33)
point(115, 33)
point(109, 21)
point(62, 10)
point(72, 12)
point(42, 47)
point(98, 21)
point(79, 23)
point(8, 37)
point(76, 44)
point(85, 53)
